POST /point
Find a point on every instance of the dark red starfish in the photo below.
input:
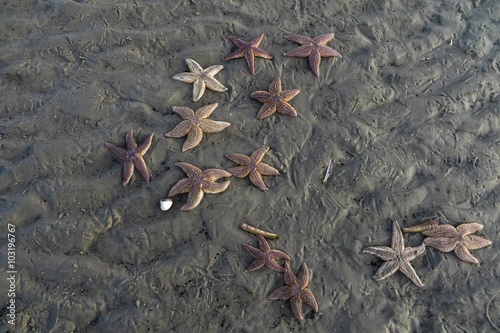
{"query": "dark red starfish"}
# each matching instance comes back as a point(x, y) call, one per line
point(265, 256)
point(312, 48)
point(249, 50)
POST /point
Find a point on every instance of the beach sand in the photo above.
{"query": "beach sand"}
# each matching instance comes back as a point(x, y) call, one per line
point(410, 115)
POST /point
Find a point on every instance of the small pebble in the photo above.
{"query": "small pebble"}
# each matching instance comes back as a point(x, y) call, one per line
point(165, 204)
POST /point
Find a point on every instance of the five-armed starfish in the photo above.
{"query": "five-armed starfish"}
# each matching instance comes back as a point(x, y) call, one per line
point(249, 50)
point(252, 166)
point(194, 124)
point(312, 48)
point(296, 290)
point(446, 238)
point(265, 256)
point(201, 78)
point(198, 183)
point(275, 100)
point(132, 157)
point(396, 257)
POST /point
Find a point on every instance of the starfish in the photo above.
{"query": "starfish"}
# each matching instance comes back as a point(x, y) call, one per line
point(198, 183)
point(445, 238)
point(265, 256)
point(194, 124)
point(296, 290)
point(249, 50)
point(275, 100)
point(132, 157)
point(396, 257)
point(252, 166)
point(312, 48)
point(201, 78)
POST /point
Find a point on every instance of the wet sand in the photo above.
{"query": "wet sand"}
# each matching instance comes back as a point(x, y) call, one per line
point(410, 115)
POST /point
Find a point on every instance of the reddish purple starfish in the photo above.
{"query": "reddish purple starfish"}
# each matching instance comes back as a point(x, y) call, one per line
point(312, 48)
point(265, 256)
point(249, 50)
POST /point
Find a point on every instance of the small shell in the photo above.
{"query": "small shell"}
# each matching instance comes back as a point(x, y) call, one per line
point(428, 225)
point(165, 204)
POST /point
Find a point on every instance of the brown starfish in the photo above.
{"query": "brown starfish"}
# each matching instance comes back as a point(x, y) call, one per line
point(132, 156)
point(296, 290)
point(446, 238)
point(312, 48)
point(265, 256)
point(249, 50)
point(194, 124)
point(252, 166)
point(396, 257)
point(275, 100)
point(198, 183)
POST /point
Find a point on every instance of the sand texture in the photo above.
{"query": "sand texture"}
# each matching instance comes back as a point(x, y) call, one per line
point(410, 115)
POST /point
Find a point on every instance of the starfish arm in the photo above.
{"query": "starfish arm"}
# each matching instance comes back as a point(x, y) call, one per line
point(182, 186)
point(286, 109)
point(307, 297)
point(314, 61)
point(254, 252)
point(213, 70)
point(249, 57)
point(290, 278)
point(255, 265)
point(300, 52)
point(193, 139)
point(275, 86)
point(183, 111)
point(256, 41)
point(193, 66)
point(406, 268)
point(145, 146)
point(189, 169)
point(323, 39)
point(283, 293)
point(277, 254)
point(239, 158)
point(194, 198)
point(411, 253)
point(267, 170)
point(469, 228)
point(473, 242)
point(213, 174)
point(214, 85)
point(326, 51)
point(257, 155)
point(212, 126)
point(303, 277)
point(397, 242)
point(213, 187)
point(128, 171)
point(182, 129)
point(443, 244)
point(257, 180)
point(443, 230)
point(272, 264)
point(186, 77)
point(287, 95)
point(383, 252)
point(386, 269)
point(261, 96)
point(205, 111)
point(296, 304)
point(261, 53)
point(266, 110)
point(131, 144)
point(299, 39)
point(464, 254)
point(236, 54)
point(118, 152)
point(141, 166)
point(198, 89)
point(240, 171)
point(263, 244)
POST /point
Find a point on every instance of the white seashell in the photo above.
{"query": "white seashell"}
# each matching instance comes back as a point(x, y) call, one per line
point(165, 204)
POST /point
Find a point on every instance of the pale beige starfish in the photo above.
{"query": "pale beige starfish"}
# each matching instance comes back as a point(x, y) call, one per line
point(253, 167)
point(446, 238)
point(194, 124)
point(201, 78)
point(296, 290)
point(198, 183)
point(396, 257)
